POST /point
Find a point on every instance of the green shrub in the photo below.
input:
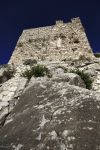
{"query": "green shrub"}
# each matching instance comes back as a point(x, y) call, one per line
point(97, 55)
point(36, 71)
point(27, 74)
point(85, 77)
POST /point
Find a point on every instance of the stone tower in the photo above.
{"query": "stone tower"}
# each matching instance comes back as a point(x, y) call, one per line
point(62, 41)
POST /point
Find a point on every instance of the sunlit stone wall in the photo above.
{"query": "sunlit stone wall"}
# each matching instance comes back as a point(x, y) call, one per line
point(60, 42)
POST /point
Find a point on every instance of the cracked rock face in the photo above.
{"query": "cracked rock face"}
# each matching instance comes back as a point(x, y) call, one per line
point(54, 112)
point(10, 90)
point(53, 116)
point(71, 78)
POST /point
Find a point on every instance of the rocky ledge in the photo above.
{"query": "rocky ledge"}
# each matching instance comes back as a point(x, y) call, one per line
point(54, 112)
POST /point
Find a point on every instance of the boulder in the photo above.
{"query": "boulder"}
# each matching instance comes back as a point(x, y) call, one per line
point(93, 66)
point(91, 72)
point(6, 73)
point(53, 116)
point(70, 78)
point(10, 91)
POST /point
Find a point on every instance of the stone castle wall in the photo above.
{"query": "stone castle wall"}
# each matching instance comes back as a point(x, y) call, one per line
point(62, 41)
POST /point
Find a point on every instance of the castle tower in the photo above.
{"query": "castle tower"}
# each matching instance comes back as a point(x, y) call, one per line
point(58, 42)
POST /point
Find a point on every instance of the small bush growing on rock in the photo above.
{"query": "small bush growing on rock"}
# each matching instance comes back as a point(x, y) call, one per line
point(27, 74)
point(36, 71)
point(85, 77)
point(97, 55)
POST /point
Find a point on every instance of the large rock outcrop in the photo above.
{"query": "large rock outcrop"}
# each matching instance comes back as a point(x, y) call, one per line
point(51, 110)
point(53, 116)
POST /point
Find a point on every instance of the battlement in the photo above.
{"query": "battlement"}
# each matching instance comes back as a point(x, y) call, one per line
point(57, 42)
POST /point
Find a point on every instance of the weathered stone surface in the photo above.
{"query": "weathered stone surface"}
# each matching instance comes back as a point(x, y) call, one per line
point(9, 91)
point(70, 78)
point(55, 113)
point(6, 72)
point(95, 66)
point(12, 87)
point(54, 116)
point(63, 41)
point(93, 70)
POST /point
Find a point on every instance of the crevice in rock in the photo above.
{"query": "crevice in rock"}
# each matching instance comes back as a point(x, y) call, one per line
point(3, 120)
point(84, 65)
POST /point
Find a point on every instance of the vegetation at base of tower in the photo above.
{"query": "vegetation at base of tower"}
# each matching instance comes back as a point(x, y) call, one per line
point(97, 55)
point(36, 71)
point(85, 77)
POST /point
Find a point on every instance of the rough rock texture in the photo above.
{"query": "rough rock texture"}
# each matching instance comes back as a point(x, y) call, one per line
point(53, 116)
point(70, 78)
point(10, 91)
point(63, 41)
point(53, 112)
point(6, 73)
point(93, 69)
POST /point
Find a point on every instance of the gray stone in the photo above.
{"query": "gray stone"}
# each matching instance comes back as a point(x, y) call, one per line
point(91, 72)
point(59, 71)
point(59, 116)
point(4, 112)
point(70, 78)
point(55, 113)
point(10, 90)
point(94, 66)
point(6, 73)
point(21, 86)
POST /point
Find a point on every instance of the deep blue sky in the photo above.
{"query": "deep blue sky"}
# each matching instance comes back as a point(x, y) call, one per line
point(16, 15)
